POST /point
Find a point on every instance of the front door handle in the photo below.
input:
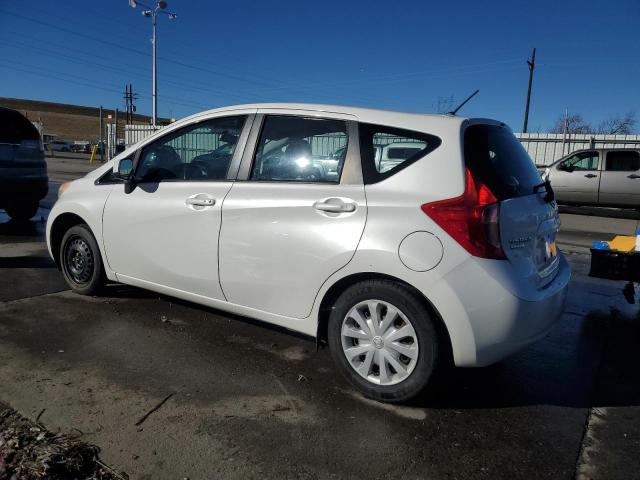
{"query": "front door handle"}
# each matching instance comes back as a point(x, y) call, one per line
point(633, 175)
point(335, 205)
point(198, 201)
point(591, 175)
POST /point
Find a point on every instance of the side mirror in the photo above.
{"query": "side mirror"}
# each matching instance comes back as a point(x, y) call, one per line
point(125, 167)
point(566, 168)
point(125, 173)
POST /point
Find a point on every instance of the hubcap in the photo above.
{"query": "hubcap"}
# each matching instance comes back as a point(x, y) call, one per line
point(379, 342)
point(79, 260)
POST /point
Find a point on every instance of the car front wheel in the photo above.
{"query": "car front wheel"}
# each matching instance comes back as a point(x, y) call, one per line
point(383, 340)
point(81, 261)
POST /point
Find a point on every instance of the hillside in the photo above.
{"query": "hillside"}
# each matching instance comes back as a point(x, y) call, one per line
point(69, 122)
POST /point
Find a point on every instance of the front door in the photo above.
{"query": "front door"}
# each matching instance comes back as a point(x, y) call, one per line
point(620, 184)
point(577, 178)
point(165, 231)
point(294, 221)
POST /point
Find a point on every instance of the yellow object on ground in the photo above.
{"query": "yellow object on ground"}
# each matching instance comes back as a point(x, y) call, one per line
point(623, 243)
point(93, 153)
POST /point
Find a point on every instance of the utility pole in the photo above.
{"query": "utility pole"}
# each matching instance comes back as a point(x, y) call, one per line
point(101, 145)
point(532, 66)
point(153, 12)
point(115, 126)
point(126, 104)
point(129, 103)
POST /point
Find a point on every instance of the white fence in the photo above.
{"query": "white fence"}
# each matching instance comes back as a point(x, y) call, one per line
point(135, 133)
point(544, 148)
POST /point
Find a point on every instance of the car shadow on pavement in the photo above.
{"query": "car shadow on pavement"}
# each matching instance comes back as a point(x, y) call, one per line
point(26, 262)
point(34, 228)
point(118, 290)
point(553, 372)
point(564, 369)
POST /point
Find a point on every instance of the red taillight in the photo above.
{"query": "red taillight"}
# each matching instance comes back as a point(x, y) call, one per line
point(472, 219)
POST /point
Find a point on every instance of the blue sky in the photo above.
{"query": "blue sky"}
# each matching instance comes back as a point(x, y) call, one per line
point(400, 55)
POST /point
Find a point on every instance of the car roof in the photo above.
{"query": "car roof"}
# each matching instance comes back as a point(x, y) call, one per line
point(367, 115)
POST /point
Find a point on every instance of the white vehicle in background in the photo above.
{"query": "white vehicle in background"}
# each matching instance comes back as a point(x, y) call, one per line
point(395, 153)
point(398, 261)
point(59, 146)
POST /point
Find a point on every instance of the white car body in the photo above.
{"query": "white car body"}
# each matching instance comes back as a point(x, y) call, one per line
point(266, 253)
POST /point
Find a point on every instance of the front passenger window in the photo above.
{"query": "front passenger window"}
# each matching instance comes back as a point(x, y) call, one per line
point(201, 151)
point(582, 161)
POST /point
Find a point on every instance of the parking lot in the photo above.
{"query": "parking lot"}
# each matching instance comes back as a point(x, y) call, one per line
point(168, 389)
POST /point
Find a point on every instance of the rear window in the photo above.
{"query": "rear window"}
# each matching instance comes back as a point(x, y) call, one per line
point(14, 128)
point(497, 159)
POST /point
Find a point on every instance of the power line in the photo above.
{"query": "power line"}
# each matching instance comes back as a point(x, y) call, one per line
point(86, 82)
point(182, 83)
point(138, 52)
point(107, 67)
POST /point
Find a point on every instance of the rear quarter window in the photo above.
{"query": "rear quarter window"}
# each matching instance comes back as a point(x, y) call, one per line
point(497, 159)
point(387, 150)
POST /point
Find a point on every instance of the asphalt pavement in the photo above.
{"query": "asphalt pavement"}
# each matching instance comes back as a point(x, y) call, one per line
point(168, 389)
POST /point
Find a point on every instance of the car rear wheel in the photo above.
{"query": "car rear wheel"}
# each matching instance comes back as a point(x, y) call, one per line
point(383, 340)
point(81, 261)
point(21, 210)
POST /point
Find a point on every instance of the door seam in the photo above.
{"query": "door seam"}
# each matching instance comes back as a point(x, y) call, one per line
point(224, 295)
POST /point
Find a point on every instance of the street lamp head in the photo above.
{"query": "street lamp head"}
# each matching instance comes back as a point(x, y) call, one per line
point(172, 16)
point(133, 3)
point(146, 13)
point(162, 4)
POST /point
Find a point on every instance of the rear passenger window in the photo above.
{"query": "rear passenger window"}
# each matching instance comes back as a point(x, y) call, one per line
point(201, 151)
point(623, 161)
point(386, 150)
point(299, 149)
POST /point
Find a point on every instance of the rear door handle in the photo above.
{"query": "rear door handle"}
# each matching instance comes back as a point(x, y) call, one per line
point(591, 175)
point(200, 201)
point(633, 175)
point(335, 205)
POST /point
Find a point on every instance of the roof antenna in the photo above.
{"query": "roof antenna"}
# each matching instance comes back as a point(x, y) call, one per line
point(453, 112)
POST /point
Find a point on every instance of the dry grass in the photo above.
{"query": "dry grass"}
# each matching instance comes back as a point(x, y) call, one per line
point(29, 452)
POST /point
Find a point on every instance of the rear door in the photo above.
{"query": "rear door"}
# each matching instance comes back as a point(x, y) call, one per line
point(620, 183)
point(528, 221)
point(291, 223)
point(576, 179)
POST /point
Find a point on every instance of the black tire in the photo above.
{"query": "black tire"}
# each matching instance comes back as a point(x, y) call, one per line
point(80, 261)
point(410, 304)
point(22, 210)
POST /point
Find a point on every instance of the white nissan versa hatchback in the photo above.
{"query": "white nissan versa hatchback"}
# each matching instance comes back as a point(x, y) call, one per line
point(283, 213)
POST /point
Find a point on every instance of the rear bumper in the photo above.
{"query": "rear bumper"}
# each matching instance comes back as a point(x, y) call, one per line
point(492, 322)
point(31, 187)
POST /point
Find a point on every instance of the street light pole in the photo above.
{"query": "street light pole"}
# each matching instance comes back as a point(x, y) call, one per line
point(154, 68)
point(153, 12)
